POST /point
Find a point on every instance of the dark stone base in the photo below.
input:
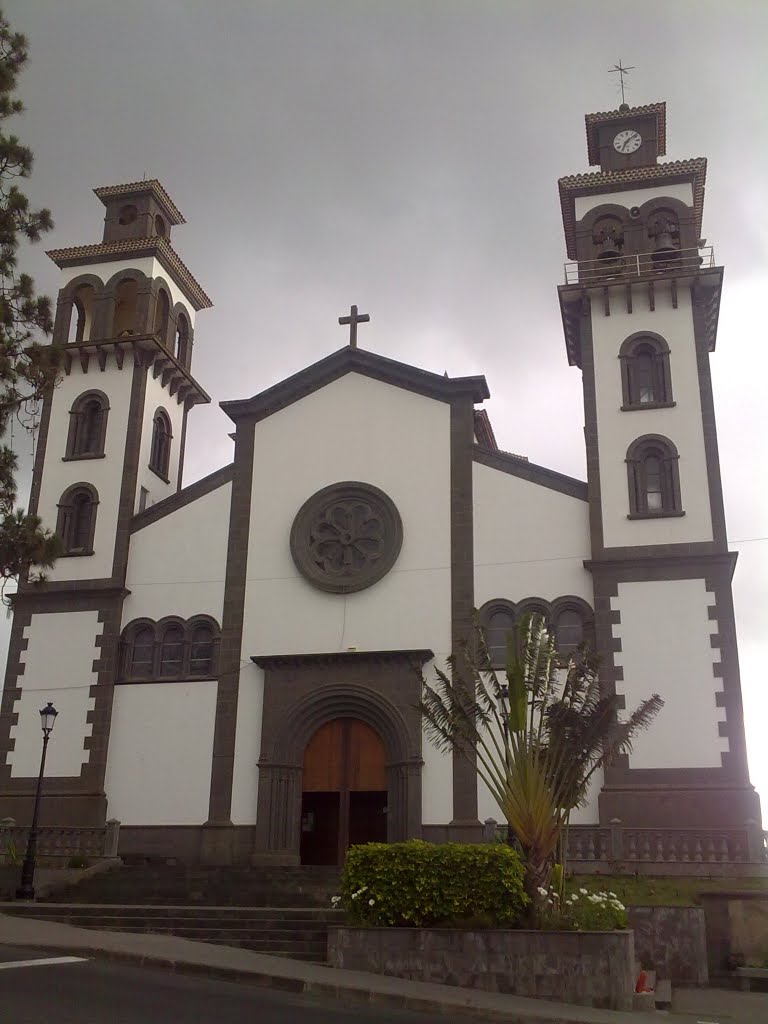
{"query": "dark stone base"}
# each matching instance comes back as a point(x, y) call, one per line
point(671, 941)
point(220, 845)
point(687, 807)
point(87, 810)
point(586, 968)
point(454, 832)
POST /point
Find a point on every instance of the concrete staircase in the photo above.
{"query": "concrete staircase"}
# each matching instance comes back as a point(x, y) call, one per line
point(300, 933)
point(281, 911)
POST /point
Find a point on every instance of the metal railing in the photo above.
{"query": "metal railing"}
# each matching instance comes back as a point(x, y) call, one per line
point(642, 264)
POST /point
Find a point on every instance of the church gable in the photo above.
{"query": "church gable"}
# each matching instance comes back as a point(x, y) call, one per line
point(367, 364)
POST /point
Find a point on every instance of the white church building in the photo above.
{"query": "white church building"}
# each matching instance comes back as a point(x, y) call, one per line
point(236, 662)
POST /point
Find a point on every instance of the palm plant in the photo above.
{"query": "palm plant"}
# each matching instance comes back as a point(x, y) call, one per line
point(535, 739)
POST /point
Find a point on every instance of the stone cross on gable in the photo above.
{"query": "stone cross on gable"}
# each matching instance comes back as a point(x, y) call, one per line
point(353, 320)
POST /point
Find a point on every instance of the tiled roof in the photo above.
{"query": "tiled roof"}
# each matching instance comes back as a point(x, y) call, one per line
point(592, 122)
point(103, 252)
point(694, 170)
point(483, 429)
point(139, 188)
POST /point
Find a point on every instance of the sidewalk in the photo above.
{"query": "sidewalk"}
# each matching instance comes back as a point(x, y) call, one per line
point(170, 952)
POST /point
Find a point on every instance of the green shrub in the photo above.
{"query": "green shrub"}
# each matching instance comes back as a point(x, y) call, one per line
point(418, 884)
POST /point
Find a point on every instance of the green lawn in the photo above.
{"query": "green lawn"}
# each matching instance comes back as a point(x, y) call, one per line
point(667, 892)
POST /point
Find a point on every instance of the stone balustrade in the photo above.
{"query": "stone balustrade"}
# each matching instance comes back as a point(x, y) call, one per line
point(59, 843)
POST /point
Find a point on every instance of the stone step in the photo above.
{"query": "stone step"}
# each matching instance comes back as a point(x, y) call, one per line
point(298, 915)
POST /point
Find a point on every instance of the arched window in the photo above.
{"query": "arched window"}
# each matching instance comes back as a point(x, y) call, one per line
point(160, 228)
point(127, 215)
point(182, 339)
point(81, 322)
point(87, 426)
point(572, 624)
point(126, 304)
point(140, 652)
point(160, 452)
point(162, 315)
point(645, 378)
point(202, 645)
point(497, 621)
point(653, 478)
point(171, 651)
point(76, 521)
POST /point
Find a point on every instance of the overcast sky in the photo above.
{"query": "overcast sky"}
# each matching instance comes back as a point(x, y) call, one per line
point(404, 155)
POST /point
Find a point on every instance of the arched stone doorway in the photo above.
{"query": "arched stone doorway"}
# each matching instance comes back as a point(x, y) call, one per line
point(304, 693)
point(344, 791)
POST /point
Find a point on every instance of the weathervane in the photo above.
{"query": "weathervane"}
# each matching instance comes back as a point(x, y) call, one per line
point(622, 71)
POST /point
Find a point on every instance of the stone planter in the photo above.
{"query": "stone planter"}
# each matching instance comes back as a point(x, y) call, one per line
point(587, 968)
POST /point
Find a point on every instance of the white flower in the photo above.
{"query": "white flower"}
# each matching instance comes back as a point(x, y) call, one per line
point(613, 894)
point(371, 902)
point(542, 891)
point(355, 895)
point(574, 896)
point(583, 892)
point(335, 900)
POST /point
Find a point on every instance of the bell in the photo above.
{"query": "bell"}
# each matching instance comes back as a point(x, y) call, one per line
point(665, 248)
point(609, 249)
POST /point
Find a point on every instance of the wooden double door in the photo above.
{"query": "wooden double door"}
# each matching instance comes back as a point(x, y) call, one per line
point(344, 791)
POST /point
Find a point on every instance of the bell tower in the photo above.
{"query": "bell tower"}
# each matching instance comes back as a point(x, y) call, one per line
point(111, 442)
point(640, 307)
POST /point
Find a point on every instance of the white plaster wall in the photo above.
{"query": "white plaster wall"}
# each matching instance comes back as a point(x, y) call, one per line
point(665, 648)
point(147, 265)
point(164, 578)
point(58, 667)
point(245, 779)
point(160, 749)
point(530, 541)
point(158, 397)
point(105, 474)
point(634, 197)
point(682, 424)
point(353, 429)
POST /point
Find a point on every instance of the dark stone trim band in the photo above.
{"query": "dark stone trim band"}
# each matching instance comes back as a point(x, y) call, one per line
point(530, 471)
point(183, 497)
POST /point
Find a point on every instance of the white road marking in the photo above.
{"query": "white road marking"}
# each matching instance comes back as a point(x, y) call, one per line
point(45, 962)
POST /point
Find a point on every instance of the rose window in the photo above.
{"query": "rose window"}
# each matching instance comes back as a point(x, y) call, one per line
point(346, 537)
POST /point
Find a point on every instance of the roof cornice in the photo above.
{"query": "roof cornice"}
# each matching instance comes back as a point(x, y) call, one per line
point(139, 188)
point(109, 252)
point(355, 360)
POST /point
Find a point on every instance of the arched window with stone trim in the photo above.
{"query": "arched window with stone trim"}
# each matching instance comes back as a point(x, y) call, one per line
point(182, 340)
point(497, 622)
point(653, 478)
point(162, 315)
point(83, 308)
point(202, 644)
point(171, 656)
point(87, 426)
point(645, 375)
point(138, 647)
point(76, 520)
point(571, 621)
point(160, 450)
point(126, 308)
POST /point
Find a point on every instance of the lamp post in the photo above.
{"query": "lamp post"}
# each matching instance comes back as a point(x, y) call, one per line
point(26, 890)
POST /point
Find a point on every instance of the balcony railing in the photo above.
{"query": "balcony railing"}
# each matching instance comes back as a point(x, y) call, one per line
point(643, 264)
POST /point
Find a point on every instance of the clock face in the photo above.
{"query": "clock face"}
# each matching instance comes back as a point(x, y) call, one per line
point(627, 141)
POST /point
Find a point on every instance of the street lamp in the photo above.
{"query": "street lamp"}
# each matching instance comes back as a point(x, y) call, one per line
point(26, 890)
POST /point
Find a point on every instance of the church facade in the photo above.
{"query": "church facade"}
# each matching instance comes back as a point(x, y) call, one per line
point(236, 662)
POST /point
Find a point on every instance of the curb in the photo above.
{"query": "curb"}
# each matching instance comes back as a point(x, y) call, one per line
point(461, 1004)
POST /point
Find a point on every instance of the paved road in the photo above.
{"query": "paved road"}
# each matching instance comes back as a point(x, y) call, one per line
point(94, 992)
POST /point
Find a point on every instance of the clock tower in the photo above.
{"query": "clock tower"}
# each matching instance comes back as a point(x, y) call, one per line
point(640, 307)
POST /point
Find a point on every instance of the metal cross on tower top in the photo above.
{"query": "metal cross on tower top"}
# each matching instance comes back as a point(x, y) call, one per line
point(353, 320)
point(622, 71)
